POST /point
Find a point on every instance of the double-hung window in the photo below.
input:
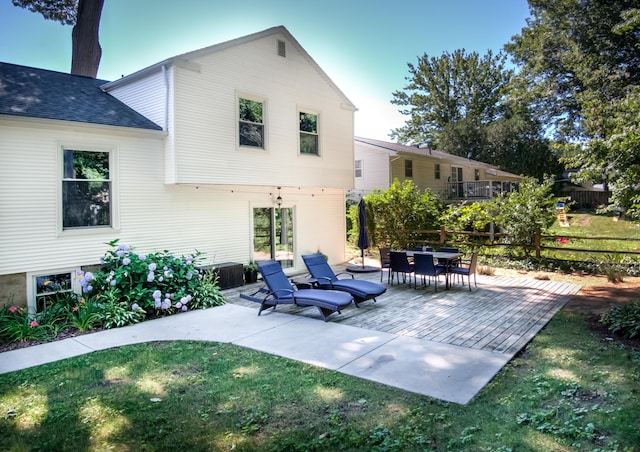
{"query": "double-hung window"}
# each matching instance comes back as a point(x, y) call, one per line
point(86, 189)
point(358, 168)
point(309, 134)
point(251, 123)
point(408, 168)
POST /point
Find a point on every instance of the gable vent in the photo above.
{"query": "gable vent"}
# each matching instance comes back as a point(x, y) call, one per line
point(282, 48)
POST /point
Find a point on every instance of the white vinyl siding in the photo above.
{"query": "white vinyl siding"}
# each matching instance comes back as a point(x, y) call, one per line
point(152, 216)
point(206, 118)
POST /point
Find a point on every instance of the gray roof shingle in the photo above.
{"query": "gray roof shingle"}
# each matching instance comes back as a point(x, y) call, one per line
point(39, 93)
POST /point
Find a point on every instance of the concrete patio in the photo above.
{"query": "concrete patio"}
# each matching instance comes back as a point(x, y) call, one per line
point(447, 345)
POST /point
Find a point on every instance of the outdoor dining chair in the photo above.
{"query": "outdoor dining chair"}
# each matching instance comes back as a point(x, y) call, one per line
point(424, 266)
point(400, 265)
point(468, 271)
point(385, 262)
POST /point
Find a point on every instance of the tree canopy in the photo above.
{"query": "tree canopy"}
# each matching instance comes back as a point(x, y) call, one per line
point(580, 62)
point(462, 103)
point(85, 16)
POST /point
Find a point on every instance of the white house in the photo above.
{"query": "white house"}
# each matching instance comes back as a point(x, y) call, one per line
point(377, 163)
point(242, 150)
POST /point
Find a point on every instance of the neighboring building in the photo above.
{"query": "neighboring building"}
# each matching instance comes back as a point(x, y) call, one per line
point(379, 163)
point(242, 150)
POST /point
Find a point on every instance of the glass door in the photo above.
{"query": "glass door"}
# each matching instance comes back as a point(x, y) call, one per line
point(273, 235)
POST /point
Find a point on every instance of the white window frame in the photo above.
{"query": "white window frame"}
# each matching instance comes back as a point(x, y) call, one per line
point(265, 119)
point(358, 168)
point(113, 152)
point(32, 285)
point(309, 111)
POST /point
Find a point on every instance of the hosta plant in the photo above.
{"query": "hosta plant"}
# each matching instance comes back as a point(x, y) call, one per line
point(623, 319)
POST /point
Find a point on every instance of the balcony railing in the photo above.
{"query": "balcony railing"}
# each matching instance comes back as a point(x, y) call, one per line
point(478, 189)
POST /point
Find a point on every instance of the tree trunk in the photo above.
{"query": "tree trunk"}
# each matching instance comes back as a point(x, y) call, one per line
point(86, 50)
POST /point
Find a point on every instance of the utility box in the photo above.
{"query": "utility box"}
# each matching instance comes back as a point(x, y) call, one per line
point(230, 274)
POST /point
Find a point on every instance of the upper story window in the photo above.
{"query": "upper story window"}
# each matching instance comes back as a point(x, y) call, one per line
point(86, 189)
point(408, 168)
point(358, 168)
point(251, 123)
point(437, 171)
point(476, 174)
point(309, 133)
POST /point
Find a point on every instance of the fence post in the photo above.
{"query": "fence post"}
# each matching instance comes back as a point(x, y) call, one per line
point(537, 243)
point(443, 235)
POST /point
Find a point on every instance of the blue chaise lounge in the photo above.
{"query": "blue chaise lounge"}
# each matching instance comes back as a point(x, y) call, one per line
point(280, 291)
point(361, 290)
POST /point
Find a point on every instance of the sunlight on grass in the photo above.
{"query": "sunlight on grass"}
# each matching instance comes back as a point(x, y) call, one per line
point(245, 371)
point(538, 441)
point(116, 374)
point(563, 374)
point(27, 405)
point(151, 385)
point(329, 394)
point(105, 422)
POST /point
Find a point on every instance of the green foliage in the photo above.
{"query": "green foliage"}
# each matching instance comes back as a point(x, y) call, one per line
point(17, 325)
point(580, 63)
point(158, 283)
point(208, 293)
point(393, 213)
point(116, 313)
point(468, 105)
point(451, 88)
point(525, 212)
point(84, 314)
point(63, 11)
point(623, 319)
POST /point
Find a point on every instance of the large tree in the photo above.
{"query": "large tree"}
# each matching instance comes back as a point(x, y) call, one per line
point(462, 103)
point(85, 16)
point(455, 87)
point(580, 63)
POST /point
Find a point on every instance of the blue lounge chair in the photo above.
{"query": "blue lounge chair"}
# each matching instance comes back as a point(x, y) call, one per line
point(361, 290)
point(280, 291)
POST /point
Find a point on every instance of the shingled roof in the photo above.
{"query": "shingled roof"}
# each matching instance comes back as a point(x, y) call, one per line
point(39, 93)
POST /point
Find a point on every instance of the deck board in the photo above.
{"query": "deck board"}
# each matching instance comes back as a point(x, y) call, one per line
point(501, 315)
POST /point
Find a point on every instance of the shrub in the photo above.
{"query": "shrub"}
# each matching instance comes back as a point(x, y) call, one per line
point(623, 319)
point(157, 283)
point(114, 313)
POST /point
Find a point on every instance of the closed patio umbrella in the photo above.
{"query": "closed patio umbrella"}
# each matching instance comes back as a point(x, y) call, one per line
point(363, 238)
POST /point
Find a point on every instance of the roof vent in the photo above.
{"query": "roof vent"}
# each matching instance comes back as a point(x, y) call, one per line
point(282, 48)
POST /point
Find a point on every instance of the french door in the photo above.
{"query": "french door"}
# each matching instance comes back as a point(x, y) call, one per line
point(273, 235)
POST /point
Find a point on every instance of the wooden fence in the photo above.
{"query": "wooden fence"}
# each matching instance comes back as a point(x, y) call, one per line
point(492, 239)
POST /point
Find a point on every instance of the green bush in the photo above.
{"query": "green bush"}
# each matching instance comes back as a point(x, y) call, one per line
point(146, 285)
point(623, 319)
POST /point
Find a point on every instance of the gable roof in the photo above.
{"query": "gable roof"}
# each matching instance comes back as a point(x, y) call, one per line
point(394, 149)
point(40, 93)
point(186, 57)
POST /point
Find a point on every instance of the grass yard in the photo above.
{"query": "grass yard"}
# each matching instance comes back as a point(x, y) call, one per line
point(588, 224)
point(569, 390)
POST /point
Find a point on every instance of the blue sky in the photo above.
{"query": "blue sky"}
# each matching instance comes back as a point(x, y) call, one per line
point(363, 45)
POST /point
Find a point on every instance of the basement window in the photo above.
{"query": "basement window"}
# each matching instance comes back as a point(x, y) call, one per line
point(44, 288)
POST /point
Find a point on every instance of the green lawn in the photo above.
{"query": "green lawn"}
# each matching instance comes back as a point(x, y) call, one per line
point(588, 224)
point(568, 390)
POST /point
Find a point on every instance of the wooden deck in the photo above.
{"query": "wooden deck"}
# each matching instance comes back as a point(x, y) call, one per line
point(501, 315)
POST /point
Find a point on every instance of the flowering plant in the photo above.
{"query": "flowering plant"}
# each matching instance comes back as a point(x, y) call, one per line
point(155, 283)
point(16, 325)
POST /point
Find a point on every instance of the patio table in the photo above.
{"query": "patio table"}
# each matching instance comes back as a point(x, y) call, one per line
point(447, 258)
